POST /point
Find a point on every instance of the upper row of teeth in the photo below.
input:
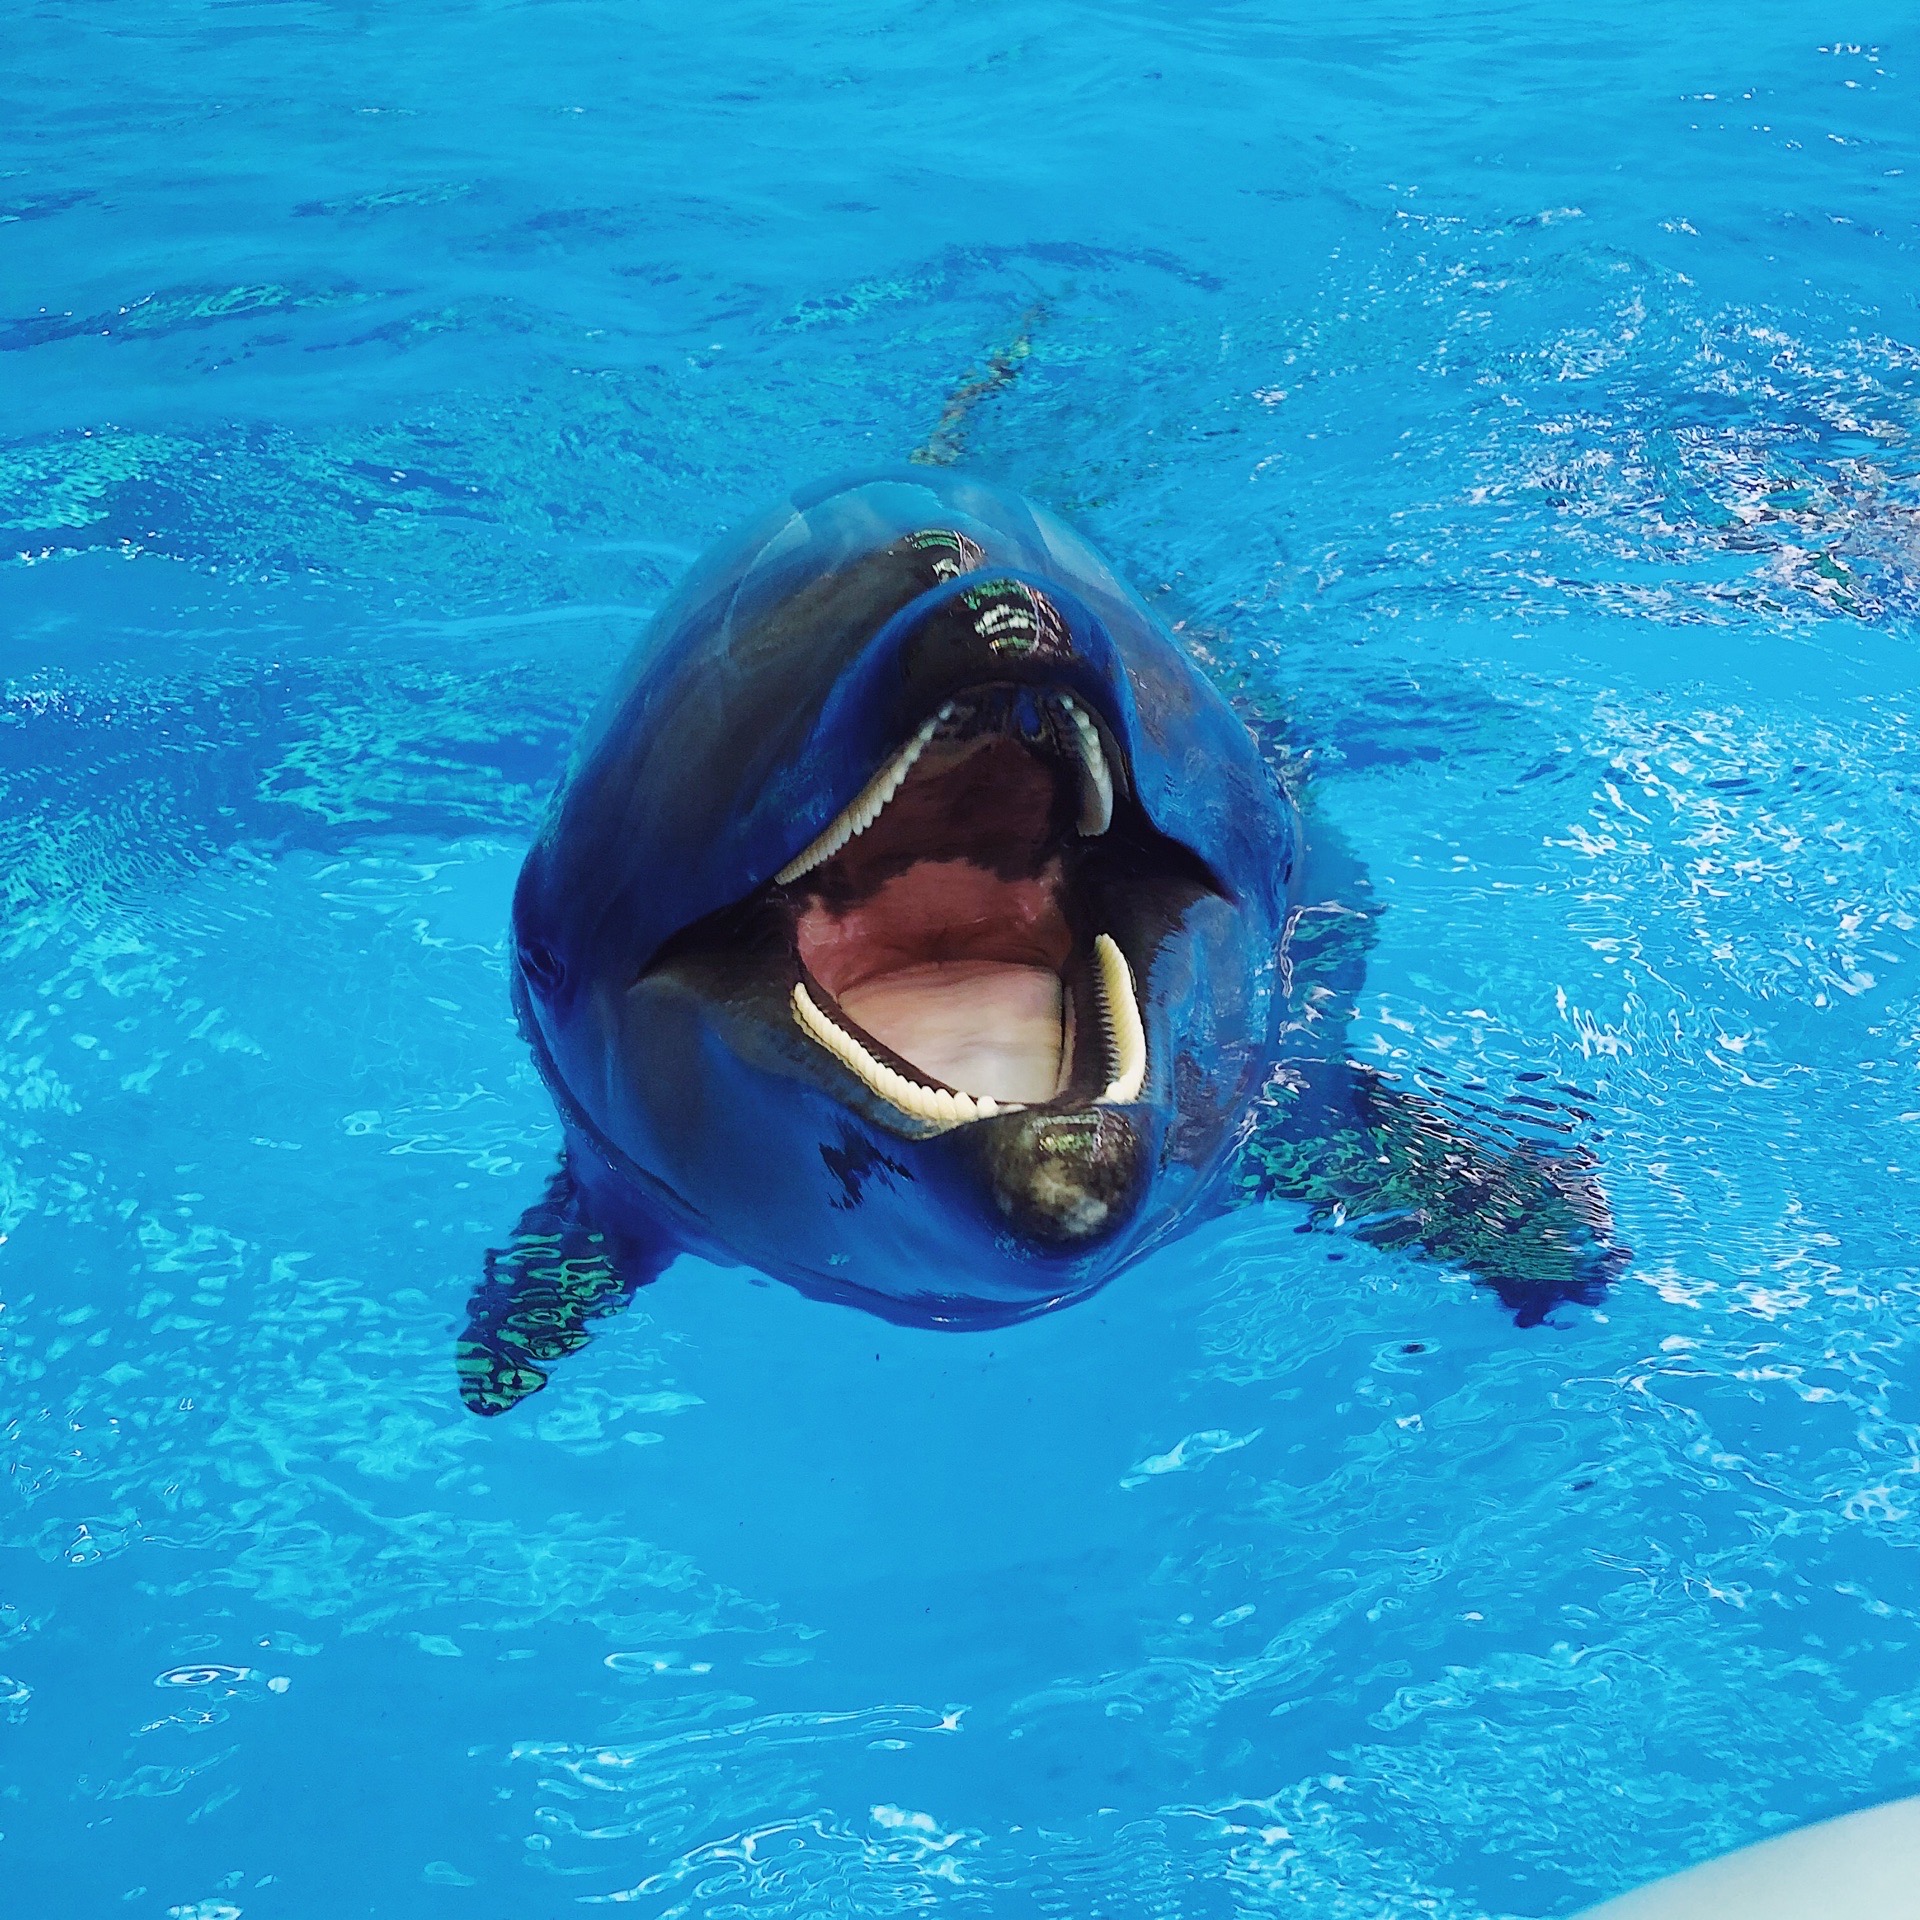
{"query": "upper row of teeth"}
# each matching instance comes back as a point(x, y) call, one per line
point(942, 1107)
point(1096, 795)
point(1096, 792)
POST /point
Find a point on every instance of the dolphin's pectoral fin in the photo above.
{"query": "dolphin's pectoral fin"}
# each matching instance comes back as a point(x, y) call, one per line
point(558, 1271)
point(1526, 1219)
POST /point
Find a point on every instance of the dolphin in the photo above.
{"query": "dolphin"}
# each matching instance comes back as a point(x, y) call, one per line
point(913, 923)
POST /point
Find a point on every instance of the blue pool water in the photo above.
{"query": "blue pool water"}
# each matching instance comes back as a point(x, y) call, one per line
point(1514, 405)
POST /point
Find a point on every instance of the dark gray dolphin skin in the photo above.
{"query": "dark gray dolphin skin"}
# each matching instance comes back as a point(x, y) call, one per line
point(911, 925)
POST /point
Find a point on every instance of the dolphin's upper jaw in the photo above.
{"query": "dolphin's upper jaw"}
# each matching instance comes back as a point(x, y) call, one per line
point(944, 927)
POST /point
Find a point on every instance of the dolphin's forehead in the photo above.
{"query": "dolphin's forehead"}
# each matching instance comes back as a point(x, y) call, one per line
point(774, 583)
point(863, 516)
point(761, 641)
point(777, 580)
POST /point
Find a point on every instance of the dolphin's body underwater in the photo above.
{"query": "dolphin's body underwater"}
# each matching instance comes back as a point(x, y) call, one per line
point(912, 925)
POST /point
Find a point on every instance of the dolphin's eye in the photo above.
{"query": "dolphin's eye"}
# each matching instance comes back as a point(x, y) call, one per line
point(541, 965)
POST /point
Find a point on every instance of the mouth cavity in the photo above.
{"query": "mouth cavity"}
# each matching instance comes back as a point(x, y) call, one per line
point(948, 927)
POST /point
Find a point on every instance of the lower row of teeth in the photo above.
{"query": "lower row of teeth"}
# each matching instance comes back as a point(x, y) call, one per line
point(941, 1107)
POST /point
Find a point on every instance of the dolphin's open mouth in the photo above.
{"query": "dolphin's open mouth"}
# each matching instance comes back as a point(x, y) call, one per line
point(943, 961)
point(969, 937)
point(957, 939)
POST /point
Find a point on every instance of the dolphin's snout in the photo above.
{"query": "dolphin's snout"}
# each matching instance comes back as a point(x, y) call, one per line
point(1064, 1180)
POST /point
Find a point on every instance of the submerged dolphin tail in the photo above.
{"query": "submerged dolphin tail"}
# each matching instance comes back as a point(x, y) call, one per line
point(1528, 1220)
point(946, 445)
point(558, 1271)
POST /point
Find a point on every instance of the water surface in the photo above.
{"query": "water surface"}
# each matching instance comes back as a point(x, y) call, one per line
point(1515, 409)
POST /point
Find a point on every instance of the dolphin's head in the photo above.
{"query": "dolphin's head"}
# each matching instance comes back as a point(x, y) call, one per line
point(908, 923)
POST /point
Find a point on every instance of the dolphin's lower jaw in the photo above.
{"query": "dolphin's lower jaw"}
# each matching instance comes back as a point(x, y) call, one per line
point(996, 1010)
point(939, 958)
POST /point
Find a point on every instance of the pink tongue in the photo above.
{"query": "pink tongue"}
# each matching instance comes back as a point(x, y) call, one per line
point(957, 970)
point(984, 1026)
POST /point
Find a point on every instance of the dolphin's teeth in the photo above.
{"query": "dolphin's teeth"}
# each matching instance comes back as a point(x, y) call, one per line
point(937, 1106)
point(1096, 789)
point(865, 807)
point(1096, 793)
point(1126, 1031)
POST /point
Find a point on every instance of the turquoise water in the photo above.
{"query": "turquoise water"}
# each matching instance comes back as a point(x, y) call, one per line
point(1515, 410)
